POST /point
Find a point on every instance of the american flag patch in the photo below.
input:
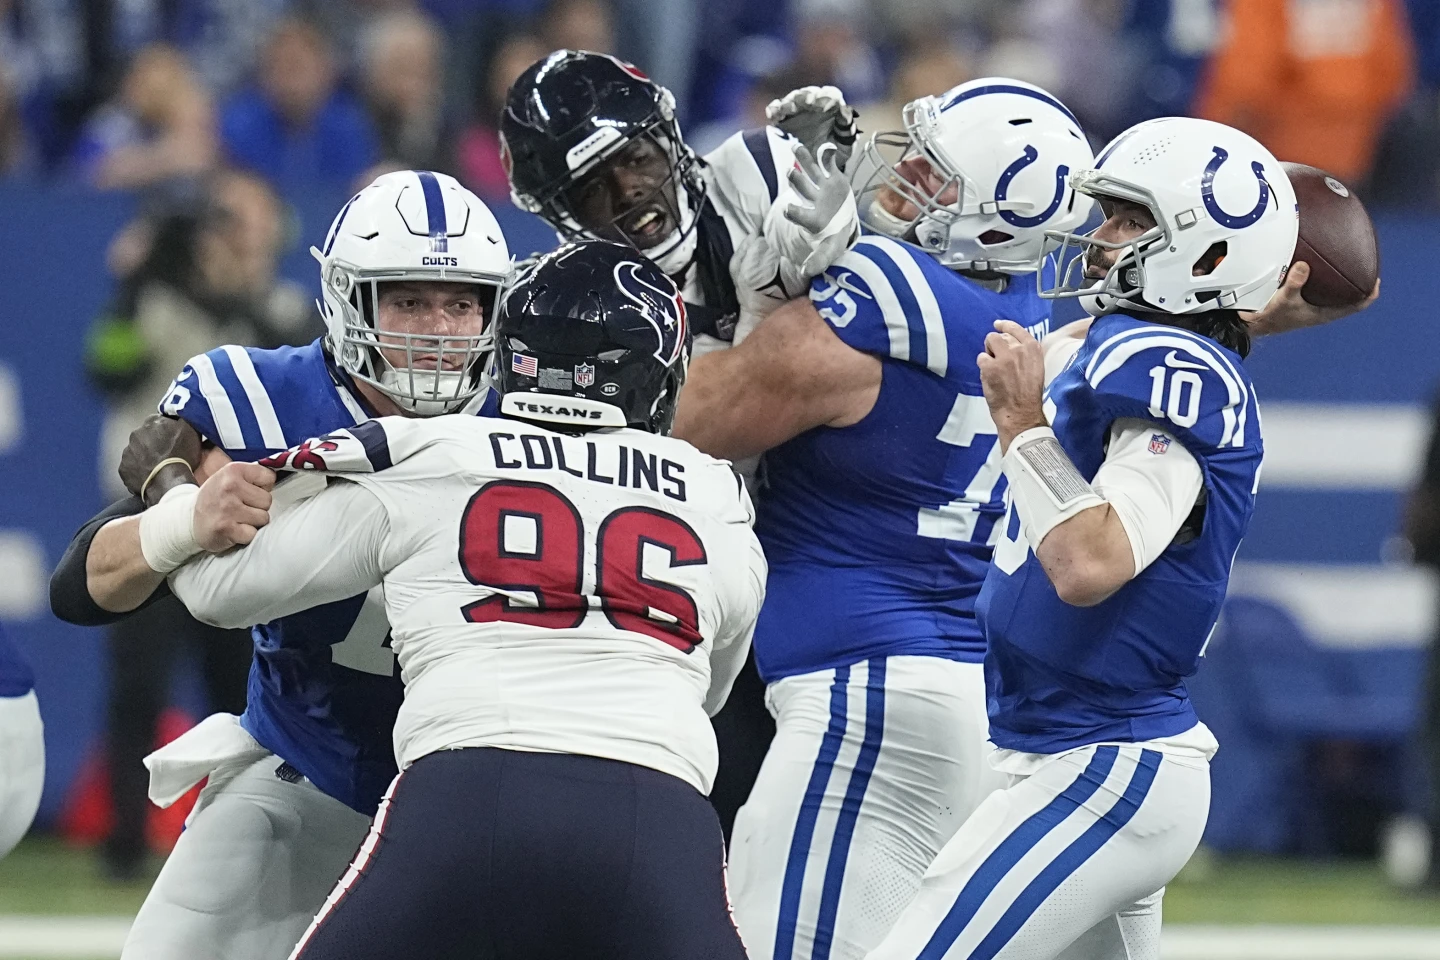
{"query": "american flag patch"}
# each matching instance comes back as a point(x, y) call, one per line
point(1159, 443)
point(527, 366)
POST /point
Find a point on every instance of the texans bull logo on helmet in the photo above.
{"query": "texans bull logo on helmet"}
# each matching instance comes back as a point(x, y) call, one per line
point(664, 310)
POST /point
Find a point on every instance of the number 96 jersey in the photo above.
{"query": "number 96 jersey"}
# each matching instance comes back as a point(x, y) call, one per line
point(1061, 676)
point(589, 594)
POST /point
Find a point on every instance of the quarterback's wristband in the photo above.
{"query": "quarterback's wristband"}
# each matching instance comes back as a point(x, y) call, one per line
point(1047, 488)
point(167, 530)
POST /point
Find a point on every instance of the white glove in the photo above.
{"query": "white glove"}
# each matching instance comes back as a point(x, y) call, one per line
point(817, 220)
point(815, 116)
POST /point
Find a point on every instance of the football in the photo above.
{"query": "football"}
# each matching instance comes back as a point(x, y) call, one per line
point(1337, 239)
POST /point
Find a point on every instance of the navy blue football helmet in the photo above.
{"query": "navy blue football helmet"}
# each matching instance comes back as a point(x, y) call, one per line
point(594, 335)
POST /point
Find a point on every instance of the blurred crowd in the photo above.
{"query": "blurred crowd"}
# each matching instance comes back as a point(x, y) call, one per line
point(127, 94)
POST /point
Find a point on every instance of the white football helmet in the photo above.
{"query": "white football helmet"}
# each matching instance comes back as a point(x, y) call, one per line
point(411, 225)
point(1205, 184)
point(1000, 153)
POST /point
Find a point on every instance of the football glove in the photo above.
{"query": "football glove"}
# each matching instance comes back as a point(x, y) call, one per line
point(816, 116)
point(824, 211)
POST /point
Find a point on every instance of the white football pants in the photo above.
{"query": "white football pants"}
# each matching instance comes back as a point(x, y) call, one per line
point(872, 769)
point(1069, 862)
point(22, 767)
point(254, 865)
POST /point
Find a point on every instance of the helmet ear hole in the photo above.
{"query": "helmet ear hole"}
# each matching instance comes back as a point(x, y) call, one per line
point(1210, 259)
point(992, 237)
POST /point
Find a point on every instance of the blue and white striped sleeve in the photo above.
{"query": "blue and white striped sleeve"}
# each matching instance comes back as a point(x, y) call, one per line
point(877, 299)
point(1175, 378)
point(220, 394)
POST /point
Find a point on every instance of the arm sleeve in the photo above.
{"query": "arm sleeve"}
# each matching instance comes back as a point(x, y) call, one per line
point(317, 551)
point(732, 643)
point(1151, 482)
point(69, 585)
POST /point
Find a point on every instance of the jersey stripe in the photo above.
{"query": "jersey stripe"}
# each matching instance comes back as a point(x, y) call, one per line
point(937, 347)
point(270, 430)
point(794, 882)
point(222, 412)
point(239, 402)
point(885, 298)
point(850, 809)
point(1014, 847)
point(758, 143)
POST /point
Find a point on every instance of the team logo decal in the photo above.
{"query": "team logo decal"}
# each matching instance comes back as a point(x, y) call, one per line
point(664, 311)
point(1159, 443)
point(1002, 188)
point(584, 374)
point(1207, 193)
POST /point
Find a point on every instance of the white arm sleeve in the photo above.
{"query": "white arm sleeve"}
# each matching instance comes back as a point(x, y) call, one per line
point(1152, 493)
point(732, 642)
point(315, 551)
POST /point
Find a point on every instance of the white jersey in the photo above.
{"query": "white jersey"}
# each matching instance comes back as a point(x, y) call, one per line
point(572, 594)
point(747, 186)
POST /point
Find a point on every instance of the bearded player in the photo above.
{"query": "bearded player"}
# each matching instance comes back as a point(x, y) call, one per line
point(410, 270)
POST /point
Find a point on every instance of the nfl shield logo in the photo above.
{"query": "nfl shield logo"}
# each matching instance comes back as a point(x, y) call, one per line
point(1159, 443)
point(584, 374)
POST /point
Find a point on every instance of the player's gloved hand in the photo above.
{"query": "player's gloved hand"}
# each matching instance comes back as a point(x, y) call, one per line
point(822, 207)
point(232, 506)
point(153, 442)
point(1288, 310)
point(1012, 374)
point(815, 116)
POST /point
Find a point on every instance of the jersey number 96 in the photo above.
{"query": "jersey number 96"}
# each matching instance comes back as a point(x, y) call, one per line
point(528, 537)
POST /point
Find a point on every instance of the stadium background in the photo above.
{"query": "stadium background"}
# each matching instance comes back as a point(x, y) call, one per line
point(1314, 681)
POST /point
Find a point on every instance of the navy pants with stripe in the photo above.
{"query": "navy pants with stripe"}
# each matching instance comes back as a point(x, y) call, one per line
point(485, 854)
point(1069, 862)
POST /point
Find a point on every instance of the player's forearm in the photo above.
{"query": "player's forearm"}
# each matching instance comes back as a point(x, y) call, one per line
point(1088, 557)
point(116, 574)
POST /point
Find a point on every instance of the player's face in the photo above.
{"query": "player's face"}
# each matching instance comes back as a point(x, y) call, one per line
point(919, 171)
point(428, 308)
point(630, 197)
point(1124, 221)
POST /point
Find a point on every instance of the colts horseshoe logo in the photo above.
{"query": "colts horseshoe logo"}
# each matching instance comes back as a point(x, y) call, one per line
point(1207, 192)
point(1003, 187)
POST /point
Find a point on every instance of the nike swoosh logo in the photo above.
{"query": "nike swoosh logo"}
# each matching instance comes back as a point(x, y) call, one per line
point(1172, 359)
point(842, 280)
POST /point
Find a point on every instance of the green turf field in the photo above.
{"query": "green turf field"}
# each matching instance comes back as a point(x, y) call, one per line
point(44, 876)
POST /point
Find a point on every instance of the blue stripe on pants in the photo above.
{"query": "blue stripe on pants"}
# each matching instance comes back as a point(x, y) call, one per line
point(850, 809)
point(809, 813)
point(1004, 857)
point(1082, 849)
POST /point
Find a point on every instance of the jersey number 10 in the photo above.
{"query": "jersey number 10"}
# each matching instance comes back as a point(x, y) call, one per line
point(528, 537)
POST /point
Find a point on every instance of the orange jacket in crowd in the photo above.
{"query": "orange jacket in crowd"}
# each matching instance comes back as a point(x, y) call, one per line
point(1314, 80)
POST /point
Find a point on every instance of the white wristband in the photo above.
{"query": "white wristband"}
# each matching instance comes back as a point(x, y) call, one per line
point(167, 530)
point(1047, 488)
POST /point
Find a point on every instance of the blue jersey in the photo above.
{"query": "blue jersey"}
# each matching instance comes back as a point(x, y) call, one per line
point(879, 534)
point(1061, 676)
point(324, 687)
point(16, 679)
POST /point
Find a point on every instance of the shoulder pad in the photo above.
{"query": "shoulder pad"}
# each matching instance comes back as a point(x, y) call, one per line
point(1176, 377)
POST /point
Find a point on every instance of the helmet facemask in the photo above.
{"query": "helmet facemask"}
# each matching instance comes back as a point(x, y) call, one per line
point(424, 374)
point(1123, 285)
point(950, 221)
point(679, 195)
